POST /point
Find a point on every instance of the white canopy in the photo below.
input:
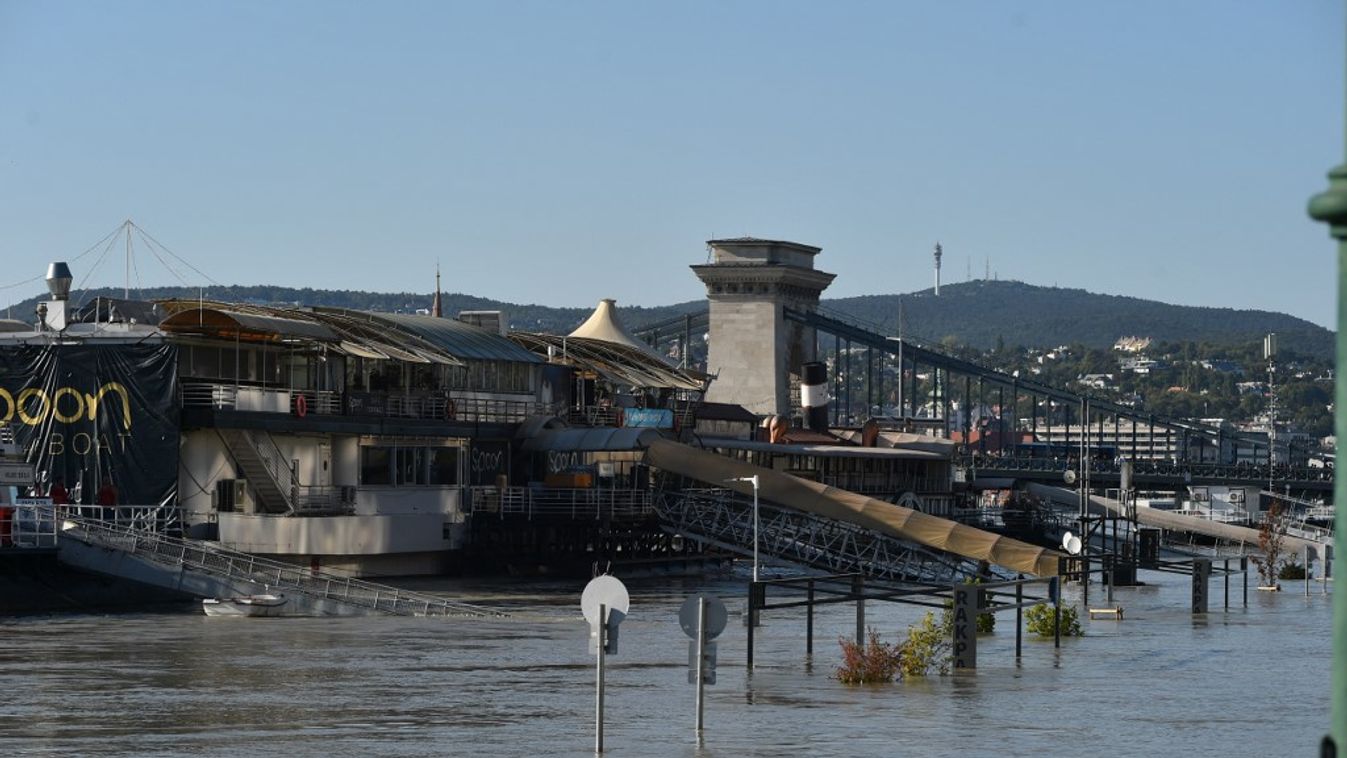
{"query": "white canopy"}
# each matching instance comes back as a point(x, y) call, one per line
point(605, 325)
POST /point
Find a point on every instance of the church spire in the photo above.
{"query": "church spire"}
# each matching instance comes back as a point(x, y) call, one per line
point(435, 308)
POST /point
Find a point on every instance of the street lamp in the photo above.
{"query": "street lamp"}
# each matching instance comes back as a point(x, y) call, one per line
point(754, 480)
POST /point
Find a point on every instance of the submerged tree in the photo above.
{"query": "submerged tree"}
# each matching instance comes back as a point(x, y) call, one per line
point(1271, 536)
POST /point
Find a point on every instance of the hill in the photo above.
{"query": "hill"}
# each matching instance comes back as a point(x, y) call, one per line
point(981, 312)
point(977, 314)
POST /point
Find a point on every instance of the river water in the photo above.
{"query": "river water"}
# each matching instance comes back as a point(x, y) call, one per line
point(1248, 682)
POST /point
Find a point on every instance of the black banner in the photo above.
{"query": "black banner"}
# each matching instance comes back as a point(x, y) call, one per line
point(89, 416)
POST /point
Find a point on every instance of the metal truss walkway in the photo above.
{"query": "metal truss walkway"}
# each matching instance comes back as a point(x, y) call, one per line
point(720, 518)
point(201, 569)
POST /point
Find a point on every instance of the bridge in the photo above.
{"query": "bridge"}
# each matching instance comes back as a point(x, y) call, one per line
point(1166, 453)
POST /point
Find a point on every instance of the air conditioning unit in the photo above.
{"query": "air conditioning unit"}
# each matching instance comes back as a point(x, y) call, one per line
point(231, 496)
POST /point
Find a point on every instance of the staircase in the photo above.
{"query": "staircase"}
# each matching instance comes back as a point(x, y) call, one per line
point(721, 518)
point(204, 570)
point(269, 476)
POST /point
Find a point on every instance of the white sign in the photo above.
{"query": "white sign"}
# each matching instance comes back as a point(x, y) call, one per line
point(16, 473)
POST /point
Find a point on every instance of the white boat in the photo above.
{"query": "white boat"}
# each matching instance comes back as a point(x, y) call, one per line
point(244, 605)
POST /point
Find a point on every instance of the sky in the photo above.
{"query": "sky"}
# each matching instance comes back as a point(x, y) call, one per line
point(562, 152)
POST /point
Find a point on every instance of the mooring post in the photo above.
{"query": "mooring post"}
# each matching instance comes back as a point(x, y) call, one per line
point(1019, 612)
point(858, 589)
point(1055, 589)
point(1085, 574)
point(752, 617)
point(1328, 568)
point(1307, 571)
point(965, 632)
point(1201, 578)
point(1244, 569)
point(1227, 584)
point(809, 622)
point(1108, 575)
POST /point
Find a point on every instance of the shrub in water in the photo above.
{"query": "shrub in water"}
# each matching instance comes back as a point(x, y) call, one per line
point(1038, 619)
point(929, 646)
point(1291, 570)
point(875, 663)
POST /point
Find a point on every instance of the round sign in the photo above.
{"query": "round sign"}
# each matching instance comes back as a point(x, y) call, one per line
point(716, 616)
point(607, 591)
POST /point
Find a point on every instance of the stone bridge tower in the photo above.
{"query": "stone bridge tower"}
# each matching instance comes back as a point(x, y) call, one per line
point(753, 349)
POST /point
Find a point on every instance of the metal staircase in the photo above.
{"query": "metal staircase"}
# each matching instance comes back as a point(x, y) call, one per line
point(258, 459)
point(724, 519)
point(203, 569)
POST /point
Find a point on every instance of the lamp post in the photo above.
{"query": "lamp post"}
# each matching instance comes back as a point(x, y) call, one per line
point(754, 480)
point(1330, 207)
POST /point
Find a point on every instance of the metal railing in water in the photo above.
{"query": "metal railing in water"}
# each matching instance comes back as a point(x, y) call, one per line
point(553, 502)
point(242, 567)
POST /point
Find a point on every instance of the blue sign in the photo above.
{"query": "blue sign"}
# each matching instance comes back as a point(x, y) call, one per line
point(654, 418)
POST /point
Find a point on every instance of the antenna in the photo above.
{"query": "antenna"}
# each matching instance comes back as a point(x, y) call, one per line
point(938, 253)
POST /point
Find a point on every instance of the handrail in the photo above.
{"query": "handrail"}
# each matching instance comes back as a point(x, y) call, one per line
point(239, 566)
point(531, 502)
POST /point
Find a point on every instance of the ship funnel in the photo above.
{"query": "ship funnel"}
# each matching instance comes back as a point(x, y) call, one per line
point(58, 280)
point(814, 396)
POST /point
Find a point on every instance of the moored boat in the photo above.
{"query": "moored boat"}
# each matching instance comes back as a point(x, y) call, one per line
point(244, 605)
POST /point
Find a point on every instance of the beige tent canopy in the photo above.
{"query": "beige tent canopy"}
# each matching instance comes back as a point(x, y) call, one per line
point(830, 502)
point(604, 324)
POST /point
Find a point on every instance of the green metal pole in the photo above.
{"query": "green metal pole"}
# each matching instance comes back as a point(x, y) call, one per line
point(1330, 207)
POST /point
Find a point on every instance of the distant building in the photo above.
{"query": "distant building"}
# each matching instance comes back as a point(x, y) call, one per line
point(1142, 365)
point(1251, 388)
point(1222, 366)
point(1132, 344)
point(1097, 381)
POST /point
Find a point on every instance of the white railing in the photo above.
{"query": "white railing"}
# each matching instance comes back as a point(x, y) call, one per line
point(38, 526)
point(244, 568)
point(554, 502)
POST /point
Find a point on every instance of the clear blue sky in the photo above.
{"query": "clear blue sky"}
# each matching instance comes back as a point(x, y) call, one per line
point(560, 152)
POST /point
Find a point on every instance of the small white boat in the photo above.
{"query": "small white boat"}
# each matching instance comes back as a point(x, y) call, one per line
point(244, 605)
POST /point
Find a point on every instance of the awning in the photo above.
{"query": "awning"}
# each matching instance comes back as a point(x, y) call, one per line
point(830, 502)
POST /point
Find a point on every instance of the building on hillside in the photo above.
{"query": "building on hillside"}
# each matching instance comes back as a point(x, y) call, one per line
point(1132, 344)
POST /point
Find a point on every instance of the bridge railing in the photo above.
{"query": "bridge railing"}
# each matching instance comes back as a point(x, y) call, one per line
point(1200, 469)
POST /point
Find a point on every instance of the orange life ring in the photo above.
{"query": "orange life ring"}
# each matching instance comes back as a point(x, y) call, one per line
point(301, 406)
point(449, 409)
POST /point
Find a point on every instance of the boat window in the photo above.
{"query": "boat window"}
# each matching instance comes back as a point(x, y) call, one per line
point(375, 465)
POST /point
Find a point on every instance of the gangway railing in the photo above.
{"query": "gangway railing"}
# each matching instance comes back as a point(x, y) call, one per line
point(237, 566)
point(725, 520)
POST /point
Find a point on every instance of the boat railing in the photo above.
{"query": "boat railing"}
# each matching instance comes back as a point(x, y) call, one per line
point(37, 525)
point(274, 575)
point(553, 502)
point(30, 527)
point(431, 406)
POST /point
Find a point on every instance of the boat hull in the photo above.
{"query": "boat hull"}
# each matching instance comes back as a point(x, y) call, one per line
point(246, 606)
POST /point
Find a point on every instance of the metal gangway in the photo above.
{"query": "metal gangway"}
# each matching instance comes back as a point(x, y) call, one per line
point(724, 519)
point(206, 569)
